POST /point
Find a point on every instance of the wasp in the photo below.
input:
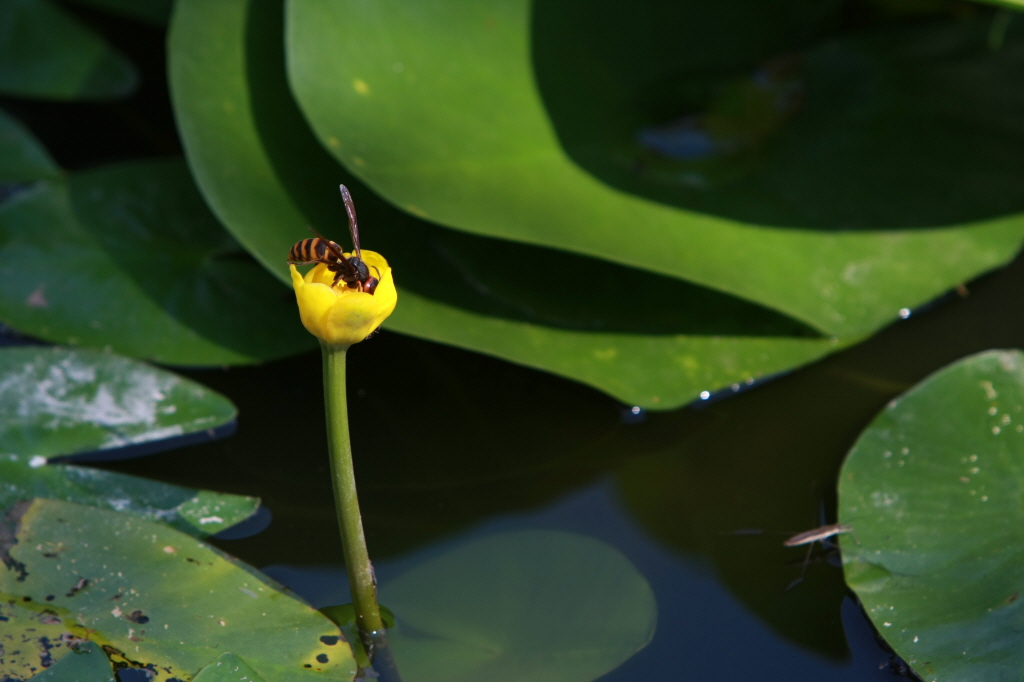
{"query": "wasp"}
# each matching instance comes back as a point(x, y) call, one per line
point(349, 269)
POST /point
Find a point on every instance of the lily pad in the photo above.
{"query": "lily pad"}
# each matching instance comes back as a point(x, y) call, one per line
point(932, 492)
point(46, 53)
point(85, 663)
point(228, 668)
point(647, 339)
point(138, 234)
point(456, 131)
point(192, 511)
point(529, 605)
point(22, 158)
point(158, 600)
point(58, 401)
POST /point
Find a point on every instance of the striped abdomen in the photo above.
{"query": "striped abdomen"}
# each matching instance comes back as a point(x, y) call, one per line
point(314, 250)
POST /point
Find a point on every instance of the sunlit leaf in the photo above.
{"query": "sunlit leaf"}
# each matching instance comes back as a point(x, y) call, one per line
point(58, 401)
point(647, 339)
point(228, 668)
point(456, 130)
point(47, 53)
point(22, 157)
point(529, 605)
point(128, 257)
point(159, 600)
point(196, 512)
point(932, 492)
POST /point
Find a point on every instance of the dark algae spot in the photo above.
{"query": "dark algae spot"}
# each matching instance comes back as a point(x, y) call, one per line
point(322, 658)
point(137, 616)
point(329, 640)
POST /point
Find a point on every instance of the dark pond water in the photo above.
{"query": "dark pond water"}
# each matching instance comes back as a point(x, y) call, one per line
point(451, 445)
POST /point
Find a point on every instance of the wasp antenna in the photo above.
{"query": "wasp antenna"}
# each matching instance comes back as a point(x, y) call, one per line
point(353, 225)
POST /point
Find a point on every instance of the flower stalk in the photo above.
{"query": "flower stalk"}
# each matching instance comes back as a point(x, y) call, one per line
point(357, 560)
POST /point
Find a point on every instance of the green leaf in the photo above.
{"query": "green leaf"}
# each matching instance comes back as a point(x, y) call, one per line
point(46, 53)
point(138, 234)
point(159, 600)
point(85, 663)
point(192, 511)
point(456, 130)
point(32, 638)
point(228, 668)
point(648, 340)
point(932, 491)
point(22, 157)
point(57, 401)
point(528, 605)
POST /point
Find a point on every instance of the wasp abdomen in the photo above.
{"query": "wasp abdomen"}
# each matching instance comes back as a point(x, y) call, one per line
point(314, 250)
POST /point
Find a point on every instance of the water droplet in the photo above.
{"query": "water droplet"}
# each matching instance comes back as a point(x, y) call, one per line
point(704, 395)
point(904, 313)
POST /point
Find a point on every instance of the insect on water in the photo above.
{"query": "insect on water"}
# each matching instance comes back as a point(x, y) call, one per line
point(809, 538)
point(349, 269)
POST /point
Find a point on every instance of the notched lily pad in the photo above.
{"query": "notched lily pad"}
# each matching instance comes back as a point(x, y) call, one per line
point(648, 340)
point(59, 401)
point(158, 600)
point(933, 492)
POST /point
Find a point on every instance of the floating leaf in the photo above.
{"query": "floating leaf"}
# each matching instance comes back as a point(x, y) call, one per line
point(648, 340)
point(196, 512)
point(932, 491)
point(456, 130)
point(139, 234)
point(22, 157)
point(528, 605)
point(228, 668)
point(85, 663)
point(158, 600)
point(57, 401)
point(47, 53)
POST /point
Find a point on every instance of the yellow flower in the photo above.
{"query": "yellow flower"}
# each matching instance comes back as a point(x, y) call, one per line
point(338, 315)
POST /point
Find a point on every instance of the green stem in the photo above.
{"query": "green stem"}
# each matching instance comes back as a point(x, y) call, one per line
point(357, 561)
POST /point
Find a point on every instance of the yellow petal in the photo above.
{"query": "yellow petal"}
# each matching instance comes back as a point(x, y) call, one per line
point(340, 316)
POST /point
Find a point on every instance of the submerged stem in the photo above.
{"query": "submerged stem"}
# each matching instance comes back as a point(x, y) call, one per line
point(357, 560)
